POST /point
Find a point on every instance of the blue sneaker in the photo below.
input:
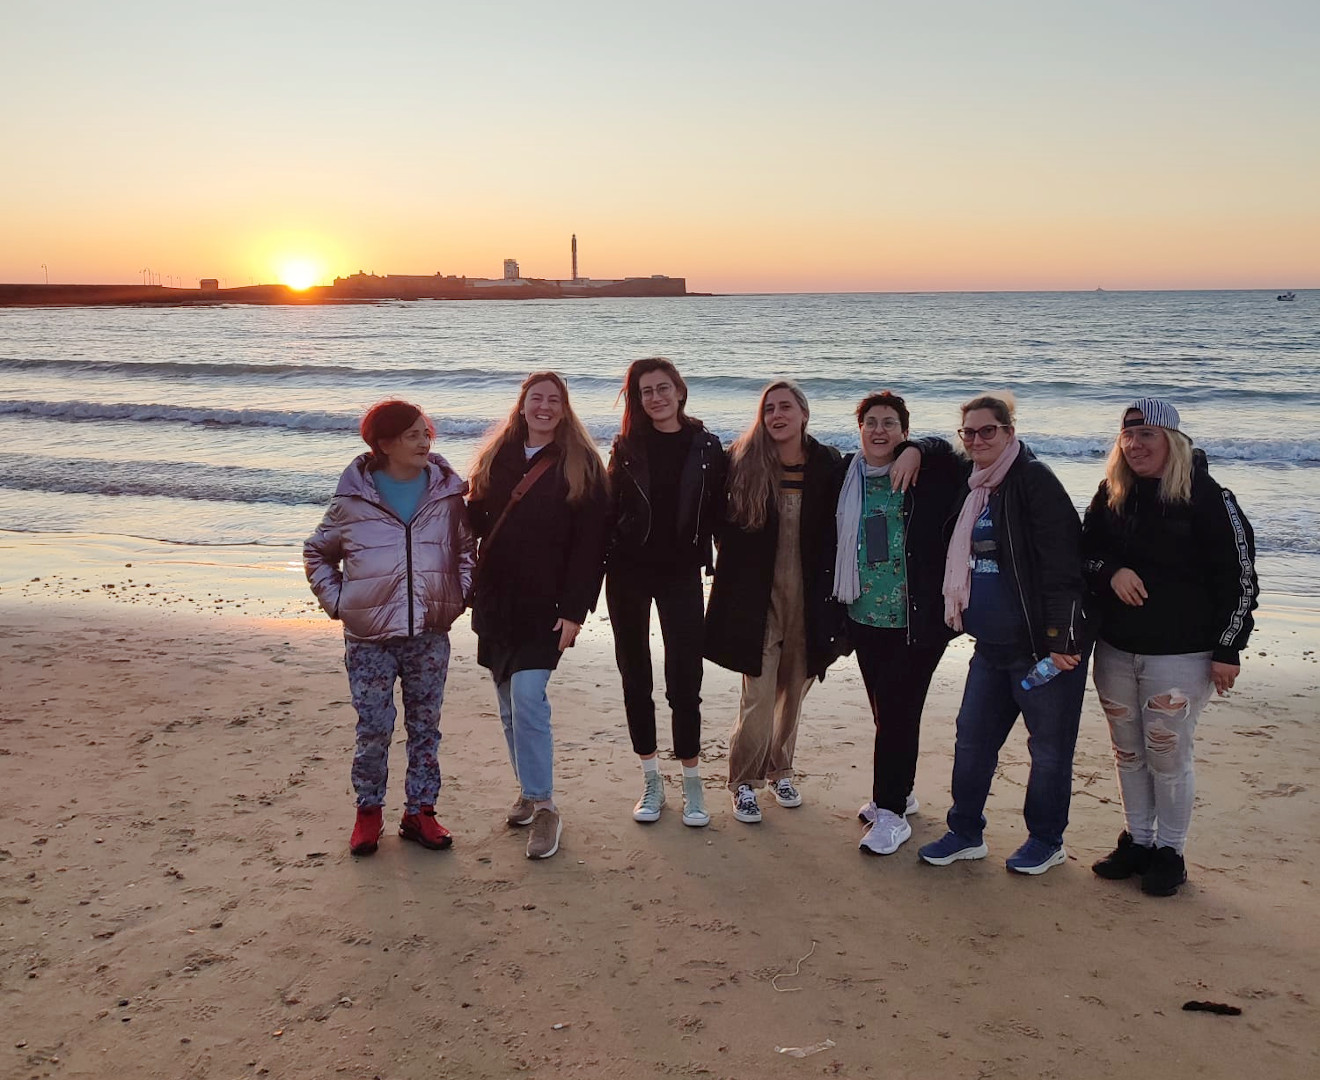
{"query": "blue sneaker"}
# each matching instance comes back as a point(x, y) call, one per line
point(950, 848)
point(1035, 857)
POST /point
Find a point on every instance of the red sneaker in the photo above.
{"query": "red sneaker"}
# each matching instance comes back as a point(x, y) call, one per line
point(367, 830)
point(425, 829)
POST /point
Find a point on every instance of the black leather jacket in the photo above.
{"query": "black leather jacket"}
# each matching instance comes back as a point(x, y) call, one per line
point(700, 498)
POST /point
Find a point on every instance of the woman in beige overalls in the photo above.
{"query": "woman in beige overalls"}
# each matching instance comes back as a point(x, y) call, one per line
point(770, 616)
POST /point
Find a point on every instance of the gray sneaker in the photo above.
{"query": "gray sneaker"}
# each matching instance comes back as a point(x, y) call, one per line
point(866, 814)
point(653, 799)
point(546, 828)
point(785, 793)
point(886, 835)
point(522, 812)
point(694, 803)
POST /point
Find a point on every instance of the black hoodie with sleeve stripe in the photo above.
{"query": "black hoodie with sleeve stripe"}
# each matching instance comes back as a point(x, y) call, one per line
point(1196, 560)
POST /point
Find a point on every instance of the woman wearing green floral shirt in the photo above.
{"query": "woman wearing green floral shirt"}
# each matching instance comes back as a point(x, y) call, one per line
point(889, 573)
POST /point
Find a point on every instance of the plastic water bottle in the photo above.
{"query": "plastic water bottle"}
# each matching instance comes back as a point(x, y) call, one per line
point(1040, 674)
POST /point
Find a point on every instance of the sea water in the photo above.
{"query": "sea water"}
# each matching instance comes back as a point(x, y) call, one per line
point(229, 425)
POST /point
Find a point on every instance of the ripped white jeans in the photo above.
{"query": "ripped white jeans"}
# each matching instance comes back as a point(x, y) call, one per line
point(1152, 704)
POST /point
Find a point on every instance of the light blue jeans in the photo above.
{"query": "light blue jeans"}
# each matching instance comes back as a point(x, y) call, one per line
point(525, 714)
point(1152, 703)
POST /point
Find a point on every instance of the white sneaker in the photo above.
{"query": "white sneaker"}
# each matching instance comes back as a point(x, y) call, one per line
point(745, 807)
point(653, 799)
point(785, 793)
point(694, 803)
point(866, 813)
point(887, 835)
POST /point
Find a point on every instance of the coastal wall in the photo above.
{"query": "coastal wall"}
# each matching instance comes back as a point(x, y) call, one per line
point(408, 287)
point(85, 295)
point(345, 290)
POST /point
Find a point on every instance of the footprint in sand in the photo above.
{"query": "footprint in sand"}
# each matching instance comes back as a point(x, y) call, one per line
point(1280, 791)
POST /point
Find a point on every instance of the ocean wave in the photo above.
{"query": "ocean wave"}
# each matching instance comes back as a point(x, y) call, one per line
point(181, 414)
point(472, 378)
point(1032, 378)
point(1302, 451)
point(169, 479)
point(1274, 451)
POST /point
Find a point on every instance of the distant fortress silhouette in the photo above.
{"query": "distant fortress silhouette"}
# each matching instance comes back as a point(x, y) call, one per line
point(356, 287)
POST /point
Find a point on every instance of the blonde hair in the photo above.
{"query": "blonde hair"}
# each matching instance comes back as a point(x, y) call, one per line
point(578, 459)
point(754, 466)
point(1175, 482)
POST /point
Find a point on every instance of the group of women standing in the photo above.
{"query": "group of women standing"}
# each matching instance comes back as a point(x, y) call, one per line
point(889, 552)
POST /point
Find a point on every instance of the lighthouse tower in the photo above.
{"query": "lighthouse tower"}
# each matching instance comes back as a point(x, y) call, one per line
point(575, 276)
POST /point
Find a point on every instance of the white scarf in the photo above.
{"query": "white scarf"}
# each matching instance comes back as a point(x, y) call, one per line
point(847, 524)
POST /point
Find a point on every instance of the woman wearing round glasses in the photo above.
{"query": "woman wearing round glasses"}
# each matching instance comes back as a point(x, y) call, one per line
point(1013, 581)
point(1170, 557)
point(888, 573)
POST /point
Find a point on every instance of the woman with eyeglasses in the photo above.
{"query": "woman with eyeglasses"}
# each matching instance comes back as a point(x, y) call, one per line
point(1013, 581)
point(889, 572)
point(1171, 559)
point(667, 485)
point(770, 615)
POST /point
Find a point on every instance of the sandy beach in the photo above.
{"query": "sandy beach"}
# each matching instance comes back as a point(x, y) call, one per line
point(177, 898)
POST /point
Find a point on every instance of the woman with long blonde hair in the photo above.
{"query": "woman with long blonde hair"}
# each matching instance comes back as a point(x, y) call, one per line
point(539, 508)
point(1170, 558)
point(770, 615)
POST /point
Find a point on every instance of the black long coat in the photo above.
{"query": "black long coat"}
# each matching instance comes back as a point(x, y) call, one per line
point(546, 563)
point(745, 569)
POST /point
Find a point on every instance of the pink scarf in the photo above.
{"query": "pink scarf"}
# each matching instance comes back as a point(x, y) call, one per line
point(958, 563)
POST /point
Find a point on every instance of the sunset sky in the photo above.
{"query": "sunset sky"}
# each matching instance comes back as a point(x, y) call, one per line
point(748, 146)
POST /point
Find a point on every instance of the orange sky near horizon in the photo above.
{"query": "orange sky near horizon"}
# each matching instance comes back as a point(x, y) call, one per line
point(746, 147)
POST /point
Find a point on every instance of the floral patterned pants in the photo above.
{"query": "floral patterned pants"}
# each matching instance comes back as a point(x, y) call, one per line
point(421, 664)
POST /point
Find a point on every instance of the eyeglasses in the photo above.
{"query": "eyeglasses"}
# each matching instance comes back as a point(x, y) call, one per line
point(889, 424)
point(985, 434)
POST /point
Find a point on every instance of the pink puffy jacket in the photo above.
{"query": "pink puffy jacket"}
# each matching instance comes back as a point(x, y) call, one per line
point(386, 579)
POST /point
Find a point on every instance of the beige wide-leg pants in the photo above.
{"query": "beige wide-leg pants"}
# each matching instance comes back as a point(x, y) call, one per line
point(761, 746)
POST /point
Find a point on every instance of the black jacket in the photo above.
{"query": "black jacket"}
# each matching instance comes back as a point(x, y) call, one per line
point(928, 509)
point(700, 498)
point(546, 563)
point(1197, 561)
point(1039, 537)
point(744, 572)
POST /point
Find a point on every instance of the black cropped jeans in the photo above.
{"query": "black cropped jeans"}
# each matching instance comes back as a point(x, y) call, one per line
point(629, 592)
point(897, 676)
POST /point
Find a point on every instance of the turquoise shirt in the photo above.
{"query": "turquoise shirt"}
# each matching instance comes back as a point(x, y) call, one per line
point(401, 496)
point(884, 598)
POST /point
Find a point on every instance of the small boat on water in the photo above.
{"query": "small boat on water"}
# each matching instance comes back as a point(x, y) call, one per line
point(1286, 296)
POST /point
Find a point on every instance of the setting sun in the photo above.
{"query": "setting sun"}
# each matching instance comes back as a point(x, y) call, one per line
point(299, 273)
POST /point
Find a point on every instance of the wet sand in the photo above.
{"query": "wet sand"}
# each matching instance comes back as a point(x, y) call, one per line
point(177, 900)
